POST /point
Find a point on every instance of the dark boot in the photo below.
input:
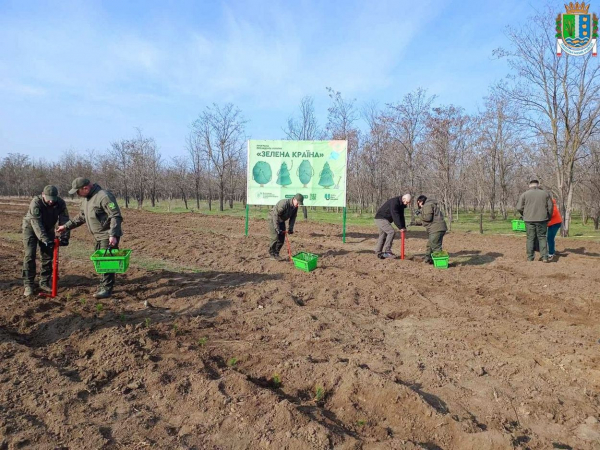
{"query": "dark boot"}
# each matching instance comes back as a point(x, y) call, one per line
point(45, 286)
point(102, 293)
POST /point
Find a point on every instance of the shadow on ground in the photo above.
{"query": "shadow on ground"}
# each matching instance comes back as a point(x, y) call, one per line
point(171, 285)
point(473, 258)
point(580, 251)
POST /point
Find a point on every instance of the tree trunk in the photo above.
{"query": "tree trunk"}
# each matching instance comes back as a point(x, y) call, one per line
point(221, 196)
point(198, 194)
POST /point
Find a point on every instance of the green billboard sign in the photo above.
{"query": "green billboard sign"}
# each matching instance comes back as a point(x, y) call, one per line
point(281, 169)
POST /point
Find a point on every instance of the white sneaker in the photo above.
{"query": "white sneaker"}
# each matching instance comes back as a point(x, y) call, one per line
point(550, 257)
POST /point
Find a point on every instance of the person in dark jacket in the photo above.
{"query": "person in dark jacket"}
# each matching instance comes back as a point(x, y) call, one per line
point(99, 210)
point(286, 209)
point(390, 211)
point(535, 206)
point(433, 221)
point(45, 211)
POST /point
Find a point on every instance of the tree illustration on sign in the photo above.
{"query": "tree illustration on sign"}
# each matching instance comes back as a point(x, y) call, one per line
point(326, 175)
point(261, 173)
point(305, 172)
point(283, 175)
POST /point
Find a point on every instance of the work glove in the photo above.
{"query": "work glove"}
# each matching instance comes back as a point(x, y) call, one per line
point(49, 245)
point(63, 242)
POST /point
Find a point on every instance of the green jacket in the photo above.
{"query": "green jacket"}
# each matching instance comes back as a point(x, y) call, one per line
point(432, 216)
point(99, 210)
point(283, 211)
point(42, 218)
point(535, 205)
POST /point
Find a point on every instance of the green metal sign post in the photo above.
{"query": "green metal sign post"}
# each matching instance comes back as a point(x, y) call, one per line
point(344, 227)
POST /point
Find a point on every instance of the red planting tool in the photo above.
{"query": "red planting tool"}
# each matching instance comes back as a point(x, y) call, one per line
point(54, 271)
point(287, 239)
point(403, 237)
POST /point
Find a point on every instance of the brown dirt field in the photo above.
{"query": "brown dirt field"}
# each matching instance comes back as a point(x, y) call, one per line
point(493, 353)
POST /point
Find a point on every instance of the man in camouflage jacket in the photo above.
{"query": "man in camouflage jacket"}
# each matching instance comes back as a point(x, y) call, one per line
point(433, 221)
point(282, 211)
point(45, 211)
point(99, 210)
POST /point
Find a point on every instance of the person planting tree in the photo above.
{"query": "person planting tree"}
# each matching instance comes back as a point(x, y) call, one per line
point(390, 211)
point(45, 211)
point(99, 210)
point(286, 209)
point(433, 221)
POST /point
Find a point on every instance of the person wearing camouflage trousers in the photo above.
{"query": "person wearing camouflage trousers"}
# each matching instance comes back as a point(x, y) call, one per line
point(45, 211)
point(99, 210)
point(433, 221)
point(282, 211)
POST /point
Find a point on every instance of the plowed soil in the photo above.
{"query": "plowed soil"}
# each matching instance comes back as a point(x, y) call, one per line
point(207, 344)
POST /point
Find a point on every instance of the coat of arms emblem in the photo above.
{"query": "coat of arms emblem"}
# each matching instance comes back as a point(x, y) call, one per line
point(577, 30)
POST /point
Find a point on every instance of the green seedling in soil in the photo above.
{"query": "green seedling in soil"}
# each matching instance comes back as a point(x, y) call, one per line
point(361, 423)
point(202, 341)
point(147, 322)
point(122, 317)
point(68, 297)
point(99, 307)
point(83, 301)
point(231, 362)
point(319, 393)
point(276, 380)
point(175, 329)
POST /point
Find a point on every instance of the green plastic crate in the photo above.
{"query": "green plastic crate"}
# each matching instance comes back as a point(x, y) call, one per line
point(441, 262)
point(518, 225)
point(111, 262)
point(305, 261)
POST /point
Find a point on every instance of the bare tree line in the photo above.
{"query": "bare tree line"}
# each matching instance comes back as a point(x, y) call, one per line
point(542, 122)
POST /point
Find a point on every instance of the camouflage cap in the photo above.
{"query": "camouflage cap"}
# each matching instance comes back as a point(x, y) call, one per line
point(77, 184)
point(50, 193)
point(300, 199)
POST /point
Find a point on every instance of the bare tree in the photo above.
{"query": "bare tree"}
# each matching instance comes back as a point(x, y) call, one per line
point(221, 134)
point(377, 147)
point(499, 143)
point(341, 116)
point(447, 141)
point(305, 128)
point(138, 164)
point(559, 96)
point(194, 148)
point(15, 170)
point(122, 157)
point(179, 179)
point(408, 120)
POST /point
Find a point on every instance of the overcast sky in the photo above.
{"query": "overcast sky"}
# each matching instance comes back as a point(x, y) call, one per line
point(78, 75)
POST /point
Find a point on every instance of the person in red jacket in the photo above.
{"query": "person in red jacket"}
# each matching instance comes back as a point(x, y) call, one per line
point(553, 226)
